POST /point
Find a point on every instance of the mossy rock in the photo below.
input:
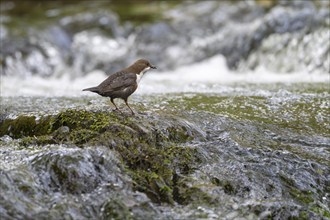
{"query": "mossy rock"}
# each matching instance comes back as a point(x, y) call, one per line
point(154, 185)
point(40, 140)
point(184, 193)
point(150, 148)
point(227, 186)
point(24, 126)
point(154, 171)
point(152, 167)
point(80, 119)
point(116, 210)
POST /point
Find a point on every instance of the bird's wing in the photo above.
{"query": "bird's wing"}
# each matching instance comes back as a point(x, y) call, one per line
point(118, 81)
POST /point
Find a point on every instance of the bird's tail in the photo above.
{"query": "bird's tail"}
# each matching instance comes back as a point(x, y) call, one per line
point(92, 89)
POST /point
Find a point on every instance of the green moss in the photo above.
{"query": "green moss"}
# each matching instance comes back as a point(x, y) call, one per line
point(81, 136)
point(150, 164)
point(37, 140)
point(320, 211)
point(24, 126)
point(286, 181)
point(149, 149)
point(43, 125)
point(225, 184)
point(19, 127)
point(115, 209)
point(178, 134)
point(228, 188)
point(152, 168)
point(96, 121)
point(185, 194)
point(303, 197)
point(304, 116)
point(303, 215)
point(153, 185)
point(61, 175)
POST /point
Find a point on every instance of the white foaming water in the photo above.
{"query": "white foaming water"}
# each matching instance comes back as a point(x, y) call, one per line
point(206, 76)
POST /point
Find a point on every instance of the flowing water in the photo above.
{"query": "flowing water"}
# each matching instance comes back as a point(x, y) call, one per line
point(241, 92)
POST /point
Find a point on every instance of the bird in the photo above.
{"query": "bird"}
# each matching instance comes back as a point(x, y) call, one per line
point(123, 83)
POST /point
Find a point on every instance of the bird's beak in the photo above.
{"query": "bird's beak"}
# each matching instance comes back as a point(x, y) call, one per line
point(153, 67)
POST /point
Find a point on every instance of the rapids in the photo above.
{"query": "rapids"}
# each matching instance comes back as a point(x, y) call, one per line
point(234, 124)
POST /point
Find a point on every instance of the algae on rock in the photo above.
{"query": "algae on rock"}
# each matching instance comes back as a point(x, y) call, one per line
point(152, 150)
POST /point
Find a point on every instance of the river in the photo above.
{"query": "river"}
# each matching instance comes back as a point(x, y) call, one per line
point(233, 124)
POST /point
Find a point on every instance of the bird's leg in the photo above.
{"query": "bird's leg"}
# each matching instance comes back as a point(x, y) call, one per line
point(116, 109)
point(128, 106)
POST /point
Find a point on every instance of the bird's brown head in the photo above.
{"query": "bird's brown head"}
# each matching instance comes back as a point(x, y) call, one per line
point(141, 66)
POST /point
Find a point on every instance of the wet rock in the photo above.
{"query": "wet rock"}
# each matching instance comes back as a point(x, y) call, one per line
point(22, 126)
point(147, 147)
point(199, 155)
point(115, 209)
point(74, 171)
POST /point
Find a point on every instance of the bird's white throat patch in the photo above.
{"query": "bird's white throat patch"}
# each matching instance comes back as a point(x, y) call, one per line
point(140, 75)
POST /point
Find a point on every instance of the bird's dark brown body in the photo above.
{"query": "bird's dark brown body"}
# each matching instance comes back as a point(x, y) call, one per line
point(123, 83)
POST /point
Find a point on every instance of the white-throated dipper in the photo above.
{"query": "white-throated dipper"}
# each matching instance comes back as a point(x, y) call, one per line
point(123, 83)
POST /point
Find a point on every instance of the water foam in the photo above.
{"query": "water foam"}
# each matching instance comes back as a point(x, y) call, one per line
point(206, 76)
